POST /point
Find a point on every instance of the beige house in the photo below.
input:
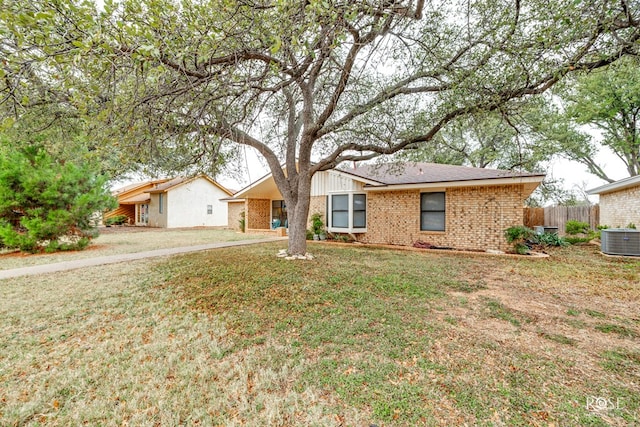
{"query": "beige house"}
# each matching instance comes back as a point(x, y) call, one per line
point(400, 204)
point(173, 203)
point(619, 202)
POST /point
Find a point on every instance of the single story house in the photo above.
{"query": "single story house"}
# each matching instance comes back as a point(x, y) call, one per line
point(172, 203)
point(401, 203)
point(619, 202)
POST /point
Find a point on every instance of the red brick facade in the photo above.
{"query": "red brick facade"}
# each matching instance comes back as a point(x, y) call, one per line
point(476, 217)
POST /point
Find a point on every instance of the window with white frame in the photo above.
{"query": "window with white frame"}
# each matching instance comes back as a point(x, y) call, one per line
point(432, 211)
point(347, 212)
point(160, 203)
point(209, 209)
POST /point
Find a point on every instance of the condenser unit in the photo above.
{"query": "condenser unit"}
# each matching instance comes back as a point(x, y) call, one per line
point(620, 241)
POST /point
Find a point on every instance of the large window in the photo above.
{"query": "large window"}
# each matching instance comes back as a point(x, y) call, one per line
point(340, 210)
point(359, 211)
point(432, 211)
point(347, 212)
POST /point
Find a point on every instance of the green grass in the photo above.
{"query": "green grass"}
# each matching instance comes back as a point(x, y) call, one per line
point(357, 336)
point(610, 328)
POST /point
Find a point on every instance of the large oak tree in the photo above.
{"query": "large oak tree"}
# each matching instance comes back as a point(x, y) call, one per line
point(310, 84)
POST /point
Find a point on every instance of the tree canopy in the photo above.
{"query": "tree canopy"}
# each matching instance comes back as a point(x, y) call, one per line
point(308, 84)
point(597, 109)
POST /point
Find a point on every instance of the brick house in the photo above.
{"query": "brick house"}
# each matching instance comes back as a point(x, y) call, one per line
point(173, 203)
point(399, 204)
point(619, 202)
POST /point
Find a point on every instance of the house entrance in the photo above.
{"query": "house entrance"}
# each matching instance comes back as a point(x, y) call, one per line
point(278, 214)
point(143, 214)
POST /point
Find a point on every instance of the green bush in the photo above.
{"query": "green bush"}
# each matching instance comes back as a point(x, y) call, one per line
point(574, 240)
point(518, 236)
point(116, 220)
point(549, 239)
point(48, 205)
point(573, 227)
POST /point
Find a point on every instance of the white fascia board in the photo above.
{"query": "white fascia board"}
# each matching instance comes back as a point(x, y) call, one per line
point(253, 185)
point(615, 186)
point(439, 186)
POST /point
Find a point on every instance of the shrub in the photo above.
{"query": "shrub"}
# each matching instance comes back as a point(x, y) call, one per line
point(317, 224)
point(116, 220)
point(549, 239)
point(45, 204)
point(631, 226)
point(574, 240)
point(573, 227)
point(518, 236)
point(242, 221)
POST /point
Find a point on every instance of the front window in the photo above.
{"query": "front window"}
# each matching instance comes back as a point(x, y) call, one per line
point(432, 211)
point(160, 203)
point(209, 209)
point(278, 214)
point(359, 211)
point(340, 210)
point(347, 212)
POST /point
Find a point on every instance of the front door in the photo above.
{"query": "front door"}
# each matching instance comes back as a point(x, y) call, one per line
point(143, 214)
point(278, 214)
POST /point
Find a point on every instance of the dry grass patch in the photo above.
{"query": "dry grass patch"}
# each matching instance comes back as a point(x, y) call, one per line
point(357, 337)
point(122, 240)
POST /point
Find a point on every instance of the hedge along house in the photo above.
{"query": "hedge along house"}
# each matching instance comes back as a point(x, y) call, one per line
point(619, 202)
point(178, 202)
point(400, 204)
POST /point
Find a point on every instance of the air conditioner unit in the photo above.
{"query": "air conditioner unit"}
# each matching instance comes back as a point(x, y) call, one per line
point(620, 241)
point(544, 229)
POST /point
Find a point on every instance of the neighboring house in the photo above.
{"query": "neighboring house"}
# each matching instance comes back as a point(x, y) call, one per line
point(133, 202)
point(178, 202)
point(449, 206)
point(619, 202)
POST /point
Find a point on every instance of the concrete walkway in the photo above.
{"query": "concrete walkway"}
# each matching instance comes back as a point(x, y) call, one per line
point(112, 259)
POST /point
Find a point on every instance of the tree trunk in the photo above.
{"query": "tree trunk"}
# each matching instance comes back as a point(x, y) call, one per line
point(298, 215)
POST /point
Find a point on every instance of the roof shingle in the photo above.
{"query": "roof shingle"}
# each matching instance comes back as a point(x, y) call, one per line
point(423, 173)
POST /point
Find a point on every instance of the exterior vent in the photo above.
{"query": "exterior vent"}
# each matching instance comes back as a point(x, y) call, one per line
point(620, 241)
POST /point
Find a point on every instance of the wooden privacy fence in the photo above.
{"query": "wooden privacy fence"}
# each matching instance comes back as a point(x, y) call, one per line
point(557, 216)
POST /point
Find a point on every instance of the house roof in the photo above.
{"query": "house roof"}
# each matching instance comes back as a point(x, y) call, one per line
point(430, 173)
point(137, 198)
point(411, 175)
point(135, 187)
point(616, 186)
point(178, 181)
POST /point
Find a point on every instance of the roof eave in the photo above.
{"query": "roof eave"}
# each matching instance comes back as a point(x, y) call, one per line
point(615, 186)
point(535, 179)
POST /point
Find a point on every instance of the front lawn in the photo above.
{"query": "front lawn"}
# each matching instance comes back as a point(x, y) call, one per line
point(356, 337)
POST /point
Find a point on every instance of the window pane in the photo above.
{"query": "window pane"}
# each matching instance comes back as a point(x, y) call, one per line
point(432, 221)
point(432, 202)
point(340, 219)
point(359, 219)
point(340, 202)
point(359, 202)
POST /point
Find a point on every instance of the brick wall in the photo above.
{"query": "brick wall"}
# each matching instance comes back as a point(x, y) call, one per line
point(258, 214)
point(233, 214)
point(317, 204)
point(476, 217)
point(620, 208)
